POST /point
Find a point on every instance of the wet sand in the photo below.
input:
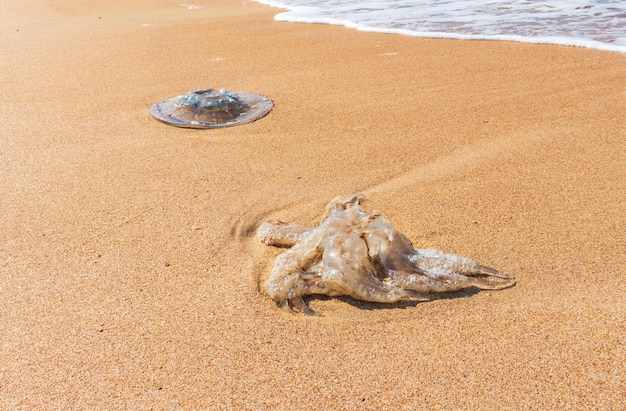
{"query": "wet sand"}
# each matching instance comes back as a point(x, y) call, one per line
point(130, 277)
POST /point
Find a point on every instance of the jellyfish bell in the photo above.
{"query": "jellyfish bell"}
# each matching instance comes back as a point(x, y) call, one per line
point(211, 108)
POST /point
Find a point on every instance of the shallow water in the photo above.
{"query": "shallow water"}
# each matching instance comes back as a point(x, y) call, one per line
point(598, 24)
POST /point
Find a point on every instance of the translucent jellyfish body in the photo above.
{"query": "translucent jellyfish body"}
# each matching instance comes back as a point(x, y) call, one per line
point(362, 255)
point(211, 108)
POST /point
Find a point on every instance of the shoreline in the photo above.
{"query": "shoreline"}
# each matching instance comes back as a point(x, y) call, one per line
point(292, 15)
point(130, 276)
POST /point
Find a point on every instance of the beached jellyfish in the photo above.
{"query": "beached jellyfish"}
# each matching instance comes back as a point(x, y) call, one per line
point(362, 255)
point(211, 108)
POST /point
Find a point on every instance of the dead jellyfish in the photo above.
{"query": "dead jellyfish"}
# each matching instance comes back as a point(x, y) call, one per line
point(361, 254)
point(211, 108)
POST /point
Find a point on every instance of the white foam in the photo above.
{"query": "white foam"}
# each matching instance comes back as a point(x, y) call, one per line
point(598, 24)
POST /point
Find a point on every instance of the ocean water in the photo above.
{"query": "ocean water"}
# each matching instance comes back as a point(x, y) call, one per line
point(598, 24)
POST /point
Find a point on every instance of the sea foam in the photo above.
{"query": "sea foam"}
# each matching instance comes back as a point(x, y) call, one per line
point(598, 24)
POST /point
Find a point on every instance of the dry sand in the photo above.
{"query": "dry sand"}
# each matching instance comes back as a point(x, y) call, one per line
point(129, 272)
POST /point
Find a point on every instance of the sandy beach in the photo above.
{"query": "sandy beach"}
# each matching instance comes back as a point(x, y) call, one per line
point(130, 276)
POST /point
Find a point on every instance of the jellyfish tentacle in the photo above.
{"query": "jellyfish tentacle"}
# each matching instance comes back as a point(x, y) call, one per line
point(281, 234)
point(480, 276)
point(429, 283)
point(298, 305)
point(484, 270)
point(491, 281)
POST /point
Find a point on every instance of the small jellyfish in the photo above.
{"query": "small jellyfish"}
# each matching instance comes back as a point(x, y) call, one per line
point(211, 108)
